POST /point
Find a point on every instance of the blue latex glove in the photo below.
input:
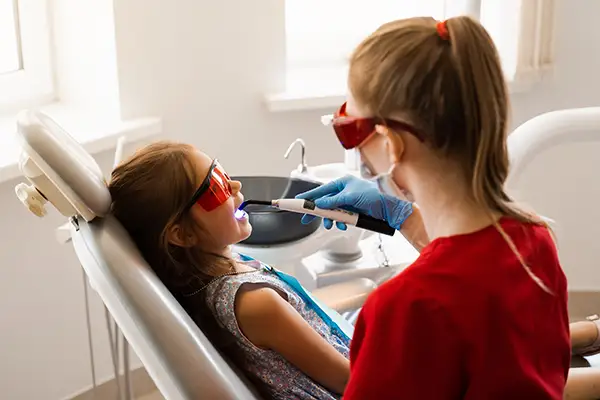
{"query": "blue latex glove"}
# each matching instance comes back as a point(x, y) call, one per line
point(357, 195)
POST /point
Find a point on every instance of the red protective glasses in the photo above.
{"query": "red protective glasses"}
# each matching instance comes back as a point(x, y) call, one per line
point(352, 131)
point(214, 190)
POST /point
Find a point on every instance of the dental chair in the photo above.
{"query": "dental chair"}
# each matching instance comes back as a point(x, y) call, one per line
point(174, 351)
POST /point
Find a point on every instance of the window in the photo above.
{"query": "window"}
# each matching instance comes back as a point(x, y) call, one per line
point(25, 67)
point(320, 35)
point(10, 50)
point(323, 33)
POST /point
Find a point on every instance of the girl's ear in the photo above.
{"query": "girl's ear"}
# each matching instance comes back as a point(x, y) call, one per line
point(394, 143)
point(176, 236)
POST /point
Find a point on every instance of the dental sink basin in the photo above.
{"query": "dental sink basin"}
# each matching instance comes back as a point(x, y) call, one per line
point(271, 226)
point(323, 173)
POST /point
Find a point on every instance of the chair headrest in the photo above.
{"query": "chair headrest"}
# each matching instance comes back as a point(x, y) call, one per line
point(545, 131)
point(60, 170)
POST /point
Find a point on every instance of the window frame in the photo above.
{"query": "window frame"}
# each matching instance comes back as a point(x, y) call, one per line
point(33, 84)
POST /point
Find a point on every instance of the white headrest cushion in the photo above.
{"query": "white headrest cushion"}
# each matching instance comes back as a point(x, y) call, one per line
point(65, 162)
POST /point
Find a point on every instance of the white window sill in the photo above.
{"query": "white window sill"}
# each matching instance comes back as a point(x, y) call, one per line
point(95, 132)
point(325, 89)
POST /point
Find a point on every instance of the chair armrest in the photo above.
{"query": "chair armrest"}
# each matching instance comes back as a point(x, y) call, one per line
point(346, 296)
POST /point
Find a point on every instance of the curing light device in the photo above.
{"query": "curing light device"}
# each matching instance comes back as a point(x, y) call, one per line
point(302, 206)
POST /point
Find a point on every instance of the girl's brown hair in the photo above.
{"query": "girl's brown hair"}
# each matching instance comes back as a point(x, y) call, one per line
point(448, 82)
point(150, 191)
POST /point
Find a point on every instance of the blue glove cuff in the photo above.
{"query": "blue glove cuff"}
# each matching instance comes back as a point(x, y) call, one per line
point(396, 211)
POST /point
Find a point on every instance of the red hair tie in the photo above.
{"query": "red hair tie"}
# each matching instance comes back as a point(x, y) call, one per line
point(442, 30)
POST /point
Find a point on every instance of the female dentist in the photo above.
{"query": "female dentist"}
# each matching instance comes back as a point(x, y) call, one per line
point(482, 313)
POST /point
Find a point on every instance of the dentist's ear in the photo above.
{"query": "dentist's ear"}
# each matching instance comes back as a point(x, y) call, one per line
point(394, 143)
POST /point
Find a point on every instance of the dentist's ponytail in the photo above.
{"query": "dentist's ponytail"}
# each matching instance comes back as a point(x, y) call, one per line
point(485, 102)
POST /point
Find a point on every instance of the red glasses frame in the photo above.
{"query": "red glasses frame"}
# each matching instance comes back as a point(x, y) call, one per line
point(214, 190)
point(352, 132)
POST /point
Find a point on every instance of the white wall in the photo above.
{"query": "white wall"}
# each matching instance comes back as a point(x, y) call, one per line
point(204, 67)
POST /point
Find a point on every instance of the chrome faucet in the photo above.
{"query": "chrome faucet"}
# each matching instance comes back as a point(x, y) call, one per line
point(302, 167)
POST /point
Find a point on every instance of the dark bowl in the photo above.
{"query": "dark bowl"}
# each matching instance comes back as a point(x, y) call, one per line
point(269, 225)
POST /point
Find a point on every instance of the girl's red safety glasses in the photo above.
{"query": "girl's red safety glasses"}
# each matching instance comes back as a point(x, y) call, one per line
point(353, 132)
point(214, 190)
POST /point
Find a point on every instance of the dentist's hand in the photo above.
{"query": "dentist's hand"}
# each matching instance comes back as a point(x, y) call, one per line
point(358, 195)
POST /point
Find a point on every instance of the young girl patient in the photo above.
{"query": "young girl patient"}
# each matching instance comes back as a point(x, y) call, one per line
point(178, 205)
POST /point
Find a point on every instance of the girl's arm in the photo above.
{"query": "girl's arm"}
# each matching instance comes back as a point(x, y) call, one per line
point(583, 335)
point(270, 322)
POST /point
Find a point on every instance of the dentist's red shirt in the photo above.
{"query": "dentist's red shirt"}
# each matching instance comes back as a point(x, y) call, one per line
point(466, 321)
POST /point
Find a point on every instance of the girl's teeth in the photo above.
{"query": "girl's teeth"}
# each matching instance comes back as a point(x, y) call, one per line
point(240, 214)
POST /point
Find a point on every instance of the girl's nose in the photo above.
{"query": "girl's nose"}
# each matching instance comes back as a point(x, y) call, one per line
point(235, 186)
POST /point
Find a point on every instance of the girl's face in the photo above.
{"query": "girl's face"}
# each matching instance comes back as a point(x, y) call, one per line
point(219, 228)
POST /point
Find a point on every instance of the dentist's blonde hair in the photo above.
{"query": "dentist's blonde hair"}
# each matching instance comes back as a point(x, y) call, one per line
point(447, 79)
